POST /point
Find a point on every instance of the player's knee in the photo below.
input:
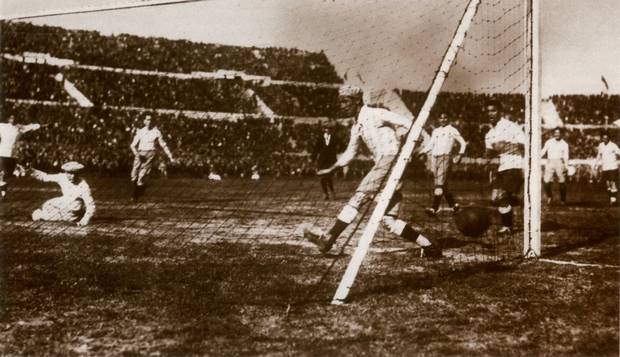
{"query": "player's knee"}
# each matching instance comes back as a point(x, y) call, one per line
point(347, 214)
point(358, 200)
point(438, 191)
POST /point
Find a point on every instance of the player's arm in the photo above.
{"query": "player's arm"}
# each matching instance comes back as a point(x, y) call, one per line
point(163, 145)
point(29, 127)
point(89, 205)
point(462, 143)
point(566, 155)
point(544, 150)
point(43, 176)
point(349, 153)
point(599, 158)
point(134, 143)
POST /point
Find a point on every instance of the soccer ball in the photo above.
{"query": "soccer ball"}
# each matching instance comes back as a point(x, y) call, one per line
point(472, 221)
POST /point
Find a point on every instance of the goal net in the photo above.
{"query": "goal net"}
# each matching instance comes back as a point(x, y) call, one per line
point(243, 115)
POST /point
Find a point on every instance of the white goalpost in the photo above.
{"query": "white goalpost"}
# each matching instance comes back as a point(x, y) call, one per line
point(399, 167)
point(532, 193)
point(532, 196)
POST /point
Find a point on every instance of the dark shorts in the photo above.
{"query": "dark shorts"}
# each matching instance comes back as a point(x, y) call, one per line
point(7, 166)
point(509, 181)
point(610, 175)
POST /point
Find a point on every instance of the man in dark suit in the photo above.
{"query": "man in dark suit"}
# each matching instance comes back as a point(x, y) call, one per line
point(324, 154)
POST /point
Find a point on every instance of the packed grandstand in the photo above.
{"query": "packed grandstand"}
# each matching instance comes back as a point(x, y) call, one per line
point(224, 109)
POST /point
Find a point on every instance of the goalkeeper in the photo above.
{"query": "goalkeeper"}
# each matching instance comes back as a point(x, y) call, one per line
point(381, 130)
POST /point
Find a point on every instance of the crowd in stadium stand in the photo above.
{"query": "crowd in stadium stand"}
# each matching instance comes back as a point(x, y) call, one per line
point(588, 109)
point(160, 54)
point(100, 136)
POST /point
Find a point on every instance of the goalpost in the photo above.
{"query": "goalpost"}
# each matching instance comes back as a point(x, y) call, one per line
point(532, 194)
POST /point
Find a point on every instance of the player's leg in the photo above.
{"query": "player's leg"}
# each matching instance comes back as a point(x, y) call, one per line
point(330, 184)
point(146, 165)
point(438, 181)
point(446, 190)
point(55, 209)
point(368, 188)
point(324, 187)
point(548, 181)
point(7, 166)
point(135, 168)
point(561, 175)
point(611, 181)
point(510, 184)
point(430, 248)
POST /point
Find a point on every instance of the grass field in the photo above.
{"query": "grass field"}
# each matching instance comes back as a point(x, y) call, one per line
point(220, 268)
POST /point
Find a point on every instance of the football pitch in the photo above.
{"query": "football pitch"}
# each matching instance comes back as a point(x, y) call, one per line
point(202, 267)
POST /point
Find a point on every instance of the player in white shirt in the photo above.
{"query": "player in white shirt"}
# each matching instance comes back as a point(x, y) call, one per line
point(381, 130)
point(440, 147)
point(556, 150)
point(506, 140)
point(76, 203)
point(9, 135)
point(607, 160)
point(143, 148)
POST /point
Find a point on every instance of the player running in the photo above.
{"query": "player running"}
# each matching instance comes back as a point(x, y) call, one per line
point(607, 159)
point(441, 146)
point(9, 135)
point(506, 140)
point(143, 148)
point(76, 203)
point(380, 130)
point(556, 150)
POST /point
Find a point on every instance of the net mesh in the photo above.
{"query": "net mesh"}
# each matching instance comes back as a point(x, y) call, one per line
point(243, 189)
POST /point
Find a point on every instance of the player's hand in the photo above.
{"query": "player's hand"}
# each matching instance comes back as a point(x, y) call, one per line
point(173, 160)
point(81, 223)
point(324, 171)
point(457, 159)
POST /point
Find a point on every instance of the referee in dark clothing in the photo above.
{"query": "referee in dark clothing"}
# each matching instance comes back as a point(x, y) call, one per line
point(324, 155)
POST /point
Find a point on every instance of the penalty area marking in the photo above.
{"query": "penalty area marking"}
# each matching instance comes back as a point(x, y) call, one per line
point(586, 265)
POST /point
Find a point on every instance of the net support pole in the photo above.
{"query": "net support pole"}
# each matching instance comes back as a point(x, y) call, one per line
point(532, 196)
point(401, 162)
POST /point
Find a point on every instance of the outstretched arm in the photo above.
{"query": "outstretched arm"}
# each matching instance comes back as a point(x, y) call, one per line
point(350, 152)
point(29, 127)
point(43, 176)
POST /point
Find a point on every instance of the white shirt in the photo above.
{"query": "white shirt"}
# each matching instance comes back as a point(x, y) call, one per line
point(9, 134)
point(555, 150)
point(442, 141)
point(607, 156)
point(71, 191)
point(376, 127)
point(145, 139)
point(506, 132)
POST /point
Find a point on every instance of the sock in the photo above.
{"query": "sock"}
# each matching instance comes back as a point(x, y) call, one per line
point(449, 198)
point(436, 201)
point(563, 192)
point(324, 186)
point(411, 234)
point(336, 230)
point(507, 219)
point(548, 190)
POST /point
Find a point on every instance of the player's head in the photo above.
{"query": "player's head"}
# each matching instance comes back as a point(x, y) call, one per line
point(443, 119)
point(494, 109)
point(148, 121)
point(557, 133)
point(10, 119)
point(605, 137)
point(72, 169)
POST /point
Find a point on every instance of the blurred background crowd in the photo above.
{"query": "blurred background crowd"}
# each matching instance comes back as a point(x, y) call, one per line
point(246, 142)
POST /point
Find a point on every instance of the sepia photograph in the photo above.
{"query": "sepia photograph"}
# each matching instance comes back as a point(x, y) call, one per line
point(309, 178)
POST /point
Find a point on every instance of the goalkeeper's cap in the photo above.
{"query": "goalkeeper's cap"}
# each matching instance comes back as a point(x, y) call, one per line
point(72, 167)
